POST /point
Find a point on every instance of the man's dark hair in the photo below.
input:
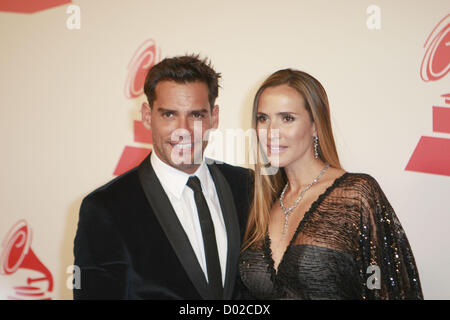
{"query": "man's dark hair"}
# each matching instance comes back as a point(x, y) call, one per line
point(183, 69)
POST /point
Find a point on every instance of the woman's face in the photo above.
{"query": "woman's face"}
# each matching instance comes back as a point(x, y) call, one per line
point(284, 127)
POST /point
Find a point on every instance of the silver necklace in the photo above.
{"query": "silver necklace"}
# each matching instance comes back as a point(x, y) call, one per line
point(287, 212)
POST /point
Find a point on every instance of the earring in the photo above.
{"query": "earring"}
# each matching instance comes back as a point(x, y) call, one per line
point(316, 147)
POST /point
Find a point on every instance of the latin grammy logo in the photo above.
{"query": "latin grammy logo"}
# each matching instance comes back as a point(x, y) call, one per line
point(432, 154)
point(26, 6)
point(17, 254)
point(145, 57)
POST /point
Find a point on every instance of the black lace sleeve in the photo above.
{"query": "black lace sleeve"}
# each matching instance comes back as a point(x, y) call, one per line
point(387, 266)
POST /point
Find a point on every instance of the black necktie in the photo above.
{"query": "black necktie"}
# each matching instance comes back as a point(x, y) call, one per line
point(209, 239)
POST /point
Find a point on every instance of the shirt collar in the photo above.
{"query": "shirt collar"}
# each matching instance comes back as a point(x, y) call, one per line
point(174, 180)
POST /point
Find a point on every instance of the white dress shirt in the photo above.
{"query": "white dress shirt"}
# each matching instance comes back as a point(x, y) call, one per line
point(182, 199)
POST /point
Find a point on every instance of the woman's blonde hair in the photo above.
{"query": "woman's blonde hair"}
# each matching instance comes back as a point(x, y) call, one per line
point(267, 188)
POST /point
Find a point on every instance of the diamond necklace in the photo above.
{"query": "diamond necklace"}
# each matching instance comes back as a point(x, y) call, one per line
point(287, 212)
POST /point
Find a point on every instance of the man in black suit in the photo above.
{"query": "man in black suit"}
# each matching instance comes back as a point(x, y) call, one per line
point(171, 227)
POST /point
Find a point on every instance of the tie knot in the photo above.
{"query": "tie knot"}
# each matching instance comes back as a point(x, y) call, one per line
point(194, 184)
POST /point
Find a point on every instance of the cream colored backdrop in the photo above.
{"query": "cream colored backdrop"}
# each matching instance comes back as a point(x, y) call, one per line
point(65, 118)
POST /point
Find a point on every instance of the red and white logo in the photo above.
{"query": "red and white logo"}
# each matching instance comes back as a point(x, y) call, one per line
point(145, 57)
point(29, 6)
point(436, 61)
point(432, 154)
point(18, 259)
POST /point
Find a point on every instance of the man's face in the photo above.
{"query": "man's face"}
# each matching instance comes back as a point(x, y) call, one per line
point(179, 119)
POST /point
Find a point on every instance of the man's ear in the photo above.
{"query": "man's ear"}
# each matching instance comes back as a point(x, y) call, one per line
point(215, 117)
point(146, 113)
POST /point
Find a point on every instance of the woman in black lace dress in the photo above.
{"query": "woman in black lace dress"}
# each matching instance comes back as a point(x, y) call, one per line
point(316, 231)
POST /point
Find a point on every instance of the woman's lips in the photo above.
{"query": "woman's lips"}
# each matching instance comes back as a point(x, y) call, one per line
point(276, 149)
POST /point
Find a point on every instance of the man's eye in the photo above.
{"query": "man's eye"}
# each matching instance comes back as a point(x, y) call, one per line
point(167, 114)
point(198, 115)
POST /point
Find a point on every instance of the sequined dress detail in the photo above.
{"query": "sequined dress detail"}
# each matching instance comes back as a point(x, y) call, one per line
point(348, 238)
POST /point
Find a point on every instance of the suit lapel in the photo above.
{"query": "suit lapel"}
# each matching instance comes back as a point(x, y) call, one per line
point(231, 224)
point(172, 227)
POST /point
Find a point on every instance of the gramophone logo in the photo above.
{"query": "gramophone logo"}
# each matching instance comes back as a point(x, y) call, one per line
point(432, 154)
point(18, 259)
point(145, 57)
point(29, 6)
point(436, 61)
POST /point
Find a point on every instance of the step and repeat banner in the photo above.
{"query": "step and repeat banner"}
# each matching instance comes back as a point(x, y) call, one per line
point(71, 84)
